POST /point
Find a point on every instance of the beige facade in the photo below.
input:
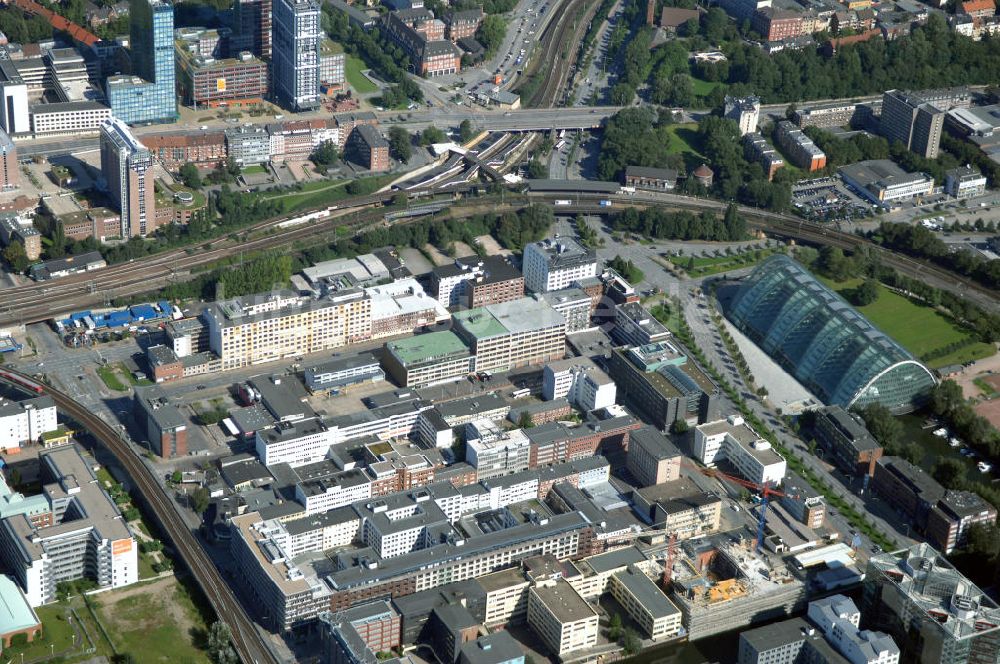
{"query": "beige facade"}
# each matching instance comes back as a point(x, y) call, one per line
point(506, 597)
point(267, 328)
point(562, 618)
point(646, 603)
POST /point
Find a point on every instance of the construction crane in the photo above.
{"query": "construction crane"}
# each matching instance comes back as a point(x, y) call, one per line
point(766, 493)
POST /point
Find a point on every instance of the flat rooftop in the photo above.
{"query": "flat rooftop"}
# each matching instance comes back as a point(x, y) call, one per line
point(424, 348)
point(645, 591)
point(564, 602)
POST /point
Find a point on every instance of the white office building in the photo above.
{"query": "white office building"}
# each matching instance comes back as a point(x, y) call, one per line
point(579, 381)
point(732, 439)
point(554, 264)
point(493, 451)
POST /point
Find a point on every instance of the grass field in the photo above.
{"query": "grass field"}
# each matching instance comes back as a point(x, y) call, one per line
point(253, 169)
point(56, 637)
point(702, 88)
point(684, 140)
point(917, 328)
point(357, 80)
point(704, 266)
point(318, 194)
point(111, 378)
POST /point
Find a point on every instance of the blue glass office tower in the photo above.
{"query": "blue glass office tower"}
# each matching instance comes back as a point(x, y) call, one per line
point(148, 95)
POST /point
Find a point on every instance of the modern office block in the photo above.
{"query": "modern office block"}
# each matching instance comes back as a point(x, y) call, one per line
point(295, 39)
point(148, 95)
point(10, 176)
point(556, 264)
point(913, 121)
point(14, 116)
point(127, 169)
point(252, 20)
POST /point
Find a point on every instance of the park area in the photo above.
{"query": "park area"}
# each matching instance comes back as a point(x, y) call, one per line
point(684, 140)
point(919, 328)
point(353, 71)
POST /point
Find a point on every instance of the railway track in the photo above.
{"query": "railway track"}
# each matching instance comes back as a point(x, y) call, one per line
point(558, 40)
point(249, 643)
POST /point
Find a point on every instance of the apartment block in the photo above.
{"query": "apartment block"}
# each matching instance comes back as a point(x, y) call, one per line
point(561, 617)
point(250, 330)
point(462, 24)
point(756, 148)
point(652, 458)
point(24, 422)
point(512, 334)
point(203, 149)
point(554, 264)
point(11, 230)
point(837, 114)
point(369, 147)
point(476, 282)
point(635, 326)
point(164, 425)
point(777, 24)
point(800, 148)
point(733, 440)
point(248, 145)
point(912, 121)
point(679, 507)
point(506, 597)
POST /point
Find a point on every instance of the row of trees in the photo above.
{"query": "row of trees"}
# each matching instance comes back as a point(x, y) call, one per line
point(931, 54)
point(839, 152)
point(918, 241)
point(660, 224)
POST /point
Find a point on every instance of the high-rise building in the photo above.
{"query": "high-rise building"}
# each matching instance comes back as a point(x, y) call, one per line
point(295, 38)
point(9, 175)
point(148, 95)
point(253, 26)
point(127, 167)
point(913, 121)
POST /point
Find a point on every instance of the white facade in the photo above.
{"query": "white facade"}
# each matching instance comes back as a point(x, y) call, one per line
point(555, 264)
point(493, 452)
point(296, 450)
point(69, 118)
point(14, 107)
point(580, 382)
point(317, 500)
point(23, 422)
point(734, 440)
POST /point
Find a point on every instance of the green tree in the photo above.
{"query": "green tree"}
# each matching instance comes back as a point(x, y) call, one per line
point(491, 33)
point(615, 627)
point(15, 256)
point(679, 427)
point(325, 154)
point(631, 643)
point(949, 472)
point(885, 428)
point(536, 170)
point(400, 144)
point(524, 420)
point(190, 176)
point(199, 500)
point(622, 94)
point(865, 293)
point(466, 131)
point(833, 264)
point(233, 169)
point(432, 135)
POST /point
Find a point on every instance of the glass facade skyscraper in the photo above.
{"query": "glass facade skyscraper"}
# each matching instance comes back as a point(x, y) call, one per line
point(295, 38)
point(148, 95)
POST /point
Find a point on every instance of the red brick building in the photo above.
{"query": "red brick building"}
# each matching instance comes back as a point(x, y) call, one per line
point(173, 150)
point(232, 81)
point(464, 24)
point(775, 24)
point(370, 148)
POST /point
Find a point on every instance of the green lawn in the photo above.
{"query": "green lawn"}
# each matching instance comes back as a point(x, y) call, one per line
point(57, 636)
point(704, 266)
point(111, 379)
point(702, 88)
point(917, 328)
point(684, 140)
point(253, 169)
point(357, 80)
point(321, 193)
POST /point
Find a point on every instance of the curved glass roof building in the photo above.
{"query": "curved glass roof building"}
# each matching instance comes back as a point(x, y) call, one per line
point(824, 342)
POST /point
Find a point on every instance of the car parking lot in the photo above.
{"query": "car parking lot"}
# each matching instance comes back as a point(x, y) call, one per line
point(829, 199)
